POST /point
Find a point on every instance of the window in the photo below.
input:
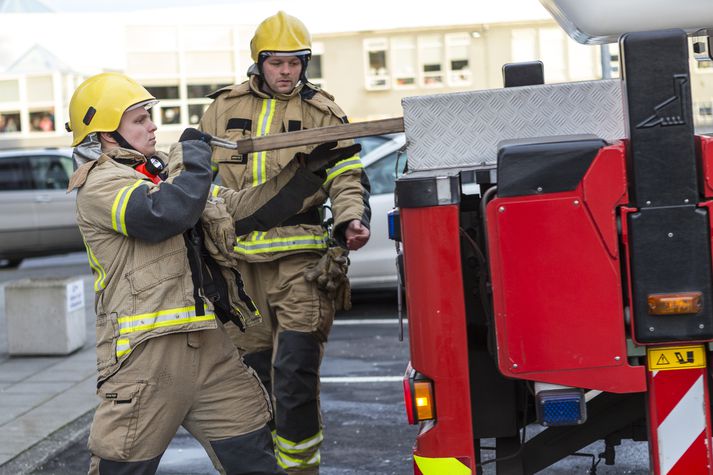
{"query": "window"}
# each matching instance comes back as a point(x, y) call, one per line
point(377, 73)
point(382, 173)
point(370, 143)
point(314, 67)
point(458, 59)
point(704, 113)
point(430, 50)
point(163, 92)
point(403, 54)
point(170, 115)
point(12, 177)
point(201, 91)
point(614, 66)
point(9, 122)
point(9, 91)
point(195, 112)
point(407, 62)
point(40, 88)
point(50, 172)
point(42, 121)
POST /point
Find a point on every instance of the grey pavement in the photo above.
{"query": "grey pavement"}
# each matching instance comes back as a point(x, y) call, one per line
point(46, 402)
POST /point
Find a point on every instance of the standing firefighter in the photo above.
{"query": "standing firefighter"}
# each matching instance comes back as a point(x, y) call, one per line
point(296, 271)
point(162, 358)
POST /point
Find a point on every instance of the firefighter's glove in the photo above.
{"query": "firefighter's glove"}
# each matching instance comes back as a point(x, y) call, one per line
point(325, 156)
point(330, 276)
point(194, 134)
point(219, 230)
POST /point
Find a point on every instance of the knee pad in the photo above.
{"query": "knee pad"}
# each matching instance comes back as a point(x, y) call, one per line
point(144, 467)
point(296, 385)
point(250, 453)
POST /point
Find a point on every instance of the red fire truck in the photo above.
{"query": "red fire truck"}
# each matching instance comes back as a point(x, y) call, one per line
point(574, 290)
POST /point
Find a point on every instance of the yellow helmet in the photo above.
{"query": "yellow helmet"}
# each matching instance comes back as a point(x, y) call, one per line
point(99, 102)
point(281, 33)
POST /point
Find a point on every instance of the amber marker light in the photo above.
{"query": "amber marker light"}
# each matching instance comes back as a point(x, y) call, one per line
point(679, 303)
point(423, 397)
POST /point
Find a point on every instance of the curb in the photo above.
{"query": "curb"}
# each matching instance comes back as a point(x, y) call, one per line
point(45, 450)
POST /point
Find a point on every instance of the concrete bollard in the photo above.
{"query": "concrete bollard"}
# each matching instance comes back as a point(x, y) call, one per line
point(45, 316)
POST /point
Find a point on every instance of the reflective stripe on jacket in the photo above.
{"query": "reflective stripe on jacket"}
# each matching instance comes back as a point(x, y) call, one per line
point(132, 230)
point(244, 111)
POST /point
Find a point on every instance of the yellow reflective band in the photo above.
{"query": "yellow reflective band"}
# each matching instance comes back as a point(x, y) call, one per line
point(264, 122)
point(351, 163)
point(307, 445)
point(256, 246)
point(214, 190)
point(118, 209)
point(441, 466)
point(99, 282)
point(122, 347)
point(287, 462)
point(163, 318)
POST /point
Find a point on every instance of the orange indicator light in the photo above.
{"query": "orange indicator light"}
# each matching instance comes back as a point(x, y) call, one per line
point(680, 303)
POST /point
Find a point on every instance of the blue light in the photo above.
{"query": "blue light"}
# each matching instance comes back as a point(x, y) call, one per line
point(394, 225)
point(561, 407)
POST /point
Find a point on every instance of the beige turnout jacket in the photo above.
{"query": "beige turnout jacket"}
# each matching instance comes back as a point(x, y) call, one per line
point(244, 111)
point(134, 229)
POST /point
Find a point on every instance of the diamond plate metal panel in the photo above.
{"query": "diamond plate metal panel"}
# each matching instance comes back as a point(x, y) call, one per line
point(462, 130)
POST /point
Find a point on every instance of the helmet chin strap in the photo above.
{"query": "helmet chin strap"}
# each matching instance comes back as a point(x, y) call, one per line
point(121, 140)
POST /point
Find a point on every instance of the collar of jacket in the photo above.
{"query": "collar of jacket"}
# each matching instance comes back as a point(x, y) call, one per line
point(254, 83)
point(118, 155)
point(126, 156)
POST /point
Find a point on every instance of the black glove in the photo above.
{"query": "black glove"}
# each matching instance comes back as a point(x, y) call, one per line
point(194, 134)
point(325, 156)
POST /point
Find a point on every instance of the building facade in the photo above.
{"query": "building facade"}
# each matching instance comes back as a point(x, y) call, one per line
point(368, 72)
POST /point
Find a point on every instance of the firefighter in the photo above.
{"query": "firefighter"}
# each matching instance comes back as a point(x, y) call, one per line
point(162, 358)
point(296, 272)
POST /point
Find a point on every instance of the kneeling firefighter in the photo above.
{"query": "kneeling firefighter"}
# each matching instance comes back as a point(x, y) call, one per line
point(163, 360)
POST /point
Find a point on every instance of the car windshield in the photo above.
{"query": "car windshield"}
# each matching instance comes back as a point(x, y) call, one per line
point(370, 143)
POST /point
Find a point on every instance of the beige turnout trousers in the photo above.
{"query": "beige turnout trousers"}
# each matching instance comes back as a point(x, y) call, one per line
point(194, 379)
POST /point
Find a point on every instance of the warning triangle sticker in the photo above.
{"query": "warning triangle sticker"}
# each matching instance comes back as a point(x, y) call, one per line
point(662, 360)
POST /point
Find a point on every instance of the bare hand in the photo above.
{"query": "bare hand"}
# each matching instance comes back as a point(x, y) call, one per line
point(356, 234)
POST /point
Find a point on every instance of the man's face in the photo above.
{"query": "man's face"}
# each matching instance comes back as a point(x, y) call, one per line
point(137, 128)
point(281, 73)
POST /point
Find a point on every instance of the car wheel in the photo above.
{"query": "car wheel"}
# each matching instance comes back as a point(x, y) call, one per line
point(9, 263)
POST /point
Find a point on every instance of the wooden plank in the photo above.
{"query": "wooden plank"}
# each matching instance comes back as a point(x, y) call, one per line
point(316, 136)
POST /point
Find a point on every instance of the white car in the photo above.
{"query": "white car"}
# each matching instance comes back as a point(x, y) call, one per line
point(373, 267)
point(36, 212)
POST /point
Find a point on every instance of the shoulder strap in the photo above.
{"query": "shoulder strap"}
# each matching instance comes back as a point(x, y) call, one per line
point(324, 101)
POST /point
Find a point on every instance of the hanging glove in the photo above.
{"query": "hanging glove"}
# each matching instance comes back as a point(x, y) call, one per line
point(325, 156)
point(219, 239)
point(219, 226)
point(330, 276)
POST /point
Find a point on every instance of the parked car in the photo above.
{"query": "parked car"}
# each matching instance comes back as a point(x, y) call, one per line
point(36, 212)
point(373, 267)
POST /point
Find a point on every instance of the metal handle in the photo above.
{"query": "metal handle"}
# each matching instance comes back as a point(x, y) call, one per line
point(218, 142)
